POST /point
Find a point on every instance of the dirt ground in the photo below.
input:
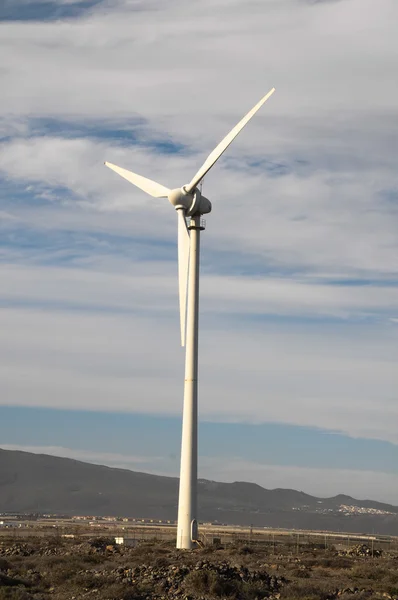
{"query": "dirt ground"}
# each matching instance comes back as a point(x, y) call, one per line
point(60, 569)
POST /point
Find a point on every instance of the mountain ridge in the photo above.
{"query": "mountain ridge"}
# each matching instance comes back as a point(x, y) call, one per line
point(43, 483)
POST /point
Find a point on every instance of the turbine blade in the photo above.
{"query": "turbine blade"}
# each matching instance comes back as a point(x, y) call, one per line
point(223, 145)
point(183, 267)
point(147, 185)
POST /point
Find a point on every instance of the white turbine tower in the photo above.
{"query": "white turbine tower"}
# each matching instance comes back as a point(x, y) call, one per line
point(189, 202)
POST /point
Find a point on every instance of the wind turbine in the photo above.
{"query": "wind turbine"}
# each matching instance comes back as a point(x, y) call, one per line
point(189, 202)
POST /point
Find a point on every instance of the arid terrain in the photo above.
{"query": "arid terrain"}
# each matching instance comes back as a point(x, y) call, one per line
point(70, 569)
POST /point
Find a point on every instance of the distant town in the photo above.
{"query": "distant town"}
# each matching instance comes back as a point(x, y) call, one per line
point(345, 510)
point(12, 520)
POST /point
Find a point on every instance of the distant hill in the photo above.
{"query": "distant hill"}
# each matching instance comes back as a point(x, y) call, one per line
point(32, 483)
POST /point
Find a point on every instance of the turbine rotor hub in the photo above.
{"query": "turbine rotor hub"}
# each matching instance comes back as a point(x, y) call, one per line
point(179, 198)
point(192, 202)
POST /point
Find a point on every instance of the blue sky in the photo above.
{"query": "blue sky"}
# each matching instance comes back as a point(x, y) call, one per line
point(299, 289)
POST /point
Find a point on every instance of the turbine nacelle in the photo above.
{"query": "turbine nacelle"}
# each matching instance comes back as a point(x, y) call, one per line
point(193, 203)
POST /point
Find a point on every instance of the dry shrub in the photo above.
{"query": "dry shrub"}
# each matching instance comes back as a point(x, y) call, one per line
point(392, 590)
point(60, 569)
point(301, 573)
point(14, 593)
point(88, 581)
point(253, 591)
point(379, 577)
point(46, 562)
point(322, 573)
point(101, 542)
point(7, 581)
point(161, 562)
point(335, 562)
point(92, 559)
point(148, 552)
point(364, 595)
point(210, 584)
point(4, 564)
point(199, 582)
point(61, 572)
point(208, 550)
point(305, 590)
point(310, 561)
point(117, 591)
point(245, 550)
point(370, 572)
point(392, 577)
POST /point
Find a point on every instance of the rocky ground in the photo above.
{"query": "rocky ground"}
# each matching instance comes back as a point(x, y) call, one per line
point(61, 569)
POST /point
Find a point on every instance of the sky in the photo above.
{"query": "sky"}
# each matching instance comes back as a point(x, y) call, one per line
point(299, 259)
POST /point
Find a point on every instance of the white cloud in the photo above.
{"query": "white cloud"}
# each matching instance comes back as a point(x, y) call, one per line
point(332, 127)
point(331, 55)
point(320, 221)
point(332, 377)
point(116, 284)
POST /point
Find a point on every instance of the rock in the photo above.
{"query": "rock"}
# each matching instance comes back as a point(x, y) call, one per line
point(361, 550)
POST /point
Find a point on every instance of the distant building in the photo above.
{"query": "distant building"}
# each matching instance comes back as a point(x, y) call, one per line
point(125, 541)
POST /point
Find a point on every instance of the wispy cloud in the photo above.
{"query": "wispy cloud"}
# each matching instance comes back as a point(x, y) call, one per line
point(300, 256)
point(335, 377)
